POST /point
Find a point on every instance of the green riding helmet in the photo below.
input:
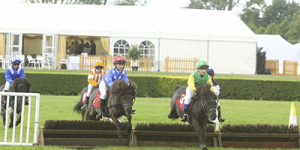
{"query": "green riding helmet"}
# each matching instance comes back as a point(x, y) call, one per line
point(202, 64)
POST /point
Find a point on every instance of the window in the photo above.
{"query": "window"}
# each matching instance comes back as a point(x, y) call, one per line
point(121, 48)
point(148, 49)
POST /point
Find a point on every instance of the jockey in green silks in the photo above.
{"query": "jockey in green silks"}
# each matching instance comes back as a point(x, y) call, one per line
point(196, 78)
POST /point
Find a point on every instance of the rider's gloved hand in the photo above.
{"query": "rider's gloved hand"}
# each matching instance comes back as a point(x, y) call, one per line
point(97, 86)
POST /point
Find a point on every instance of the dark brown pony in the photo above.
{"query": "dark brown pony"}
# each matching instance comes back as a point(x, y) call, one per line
point(19, 85)
point(203, 108)
point(120, 101)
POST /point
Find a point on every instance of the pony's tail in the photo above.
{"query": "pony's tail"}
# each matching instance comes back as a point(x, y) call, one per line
point(77, 107)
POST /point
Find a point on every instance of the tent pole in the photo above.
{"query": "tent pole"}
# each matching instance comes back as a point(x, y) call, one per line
point(158, 55)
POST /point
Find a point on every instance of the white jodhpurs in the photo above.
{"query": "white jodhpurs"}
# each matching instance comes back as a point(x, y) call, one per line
point(90, 87)
point(7, 86)
point(103, 88)
point(188, 97)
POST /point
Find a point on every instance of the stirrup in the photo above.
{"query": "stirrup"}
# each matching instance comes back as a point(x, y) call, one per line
point(99, 115)
point(221, 119)
point(185, 118)
point(84, 106)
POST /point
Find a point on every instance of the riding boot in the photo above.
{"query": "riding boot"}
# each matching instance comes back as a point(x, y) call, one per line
point(219, 115)
point(185, 115)
point(102, 106)
point(86, 102)
point(132, 111)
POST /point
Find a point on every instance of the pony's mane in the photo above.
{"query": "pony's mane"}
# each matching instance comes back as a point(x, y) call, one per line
point(204, 92)
point(17, 81)
point(15, 84)
point(121, 88)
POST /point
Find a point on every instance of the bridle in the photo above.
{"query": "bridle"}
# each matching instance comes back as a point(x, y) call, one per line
point(204, 106)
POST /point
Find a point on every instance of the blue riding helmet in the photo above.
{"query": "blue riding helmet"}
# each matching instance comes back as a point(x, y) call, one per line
point(210, 71)
point(15, 59)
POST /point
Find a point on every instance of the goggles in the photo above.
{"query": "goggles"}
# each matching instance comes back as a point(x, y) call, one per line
point(99, 67)
point(16, 64)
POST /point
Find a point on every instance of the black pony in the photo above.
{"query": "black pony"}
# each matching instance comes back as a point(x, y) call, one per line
point(203, 108)
point(119, 102)
point(18, 85)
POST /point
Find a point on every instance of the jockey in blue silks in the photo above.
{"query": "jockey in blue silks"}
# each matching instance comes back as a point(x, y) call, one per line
point(113, 74)
point(13, 72)
point(217, 91)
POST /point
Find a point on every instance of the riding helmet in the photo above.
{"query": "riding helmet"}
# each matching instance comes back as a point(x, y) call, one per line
point(211, 71)
point(202, 64)
point(119, 60)
point(15, 60)
point(99, 65)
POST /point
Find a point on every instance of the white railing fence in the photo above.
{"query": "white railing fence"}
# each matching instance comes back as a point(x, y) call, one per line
point(5, 141)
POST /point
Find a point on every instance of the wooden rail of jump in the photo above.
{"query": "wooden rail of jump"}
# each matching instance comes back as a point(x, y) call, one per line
point(180, 64)
point(87, 62)
point(289, 67)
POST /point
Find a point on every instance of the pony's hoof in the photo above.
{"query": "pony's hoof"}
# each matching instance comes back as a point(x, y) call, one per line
point(204, 148)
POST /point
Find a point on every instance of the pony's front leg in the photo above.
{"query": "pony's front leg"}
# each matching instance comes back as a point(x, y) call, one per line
point(200, 132)
point(118, 124)
point(129, 128)
point(11, 119)
point(19, 119)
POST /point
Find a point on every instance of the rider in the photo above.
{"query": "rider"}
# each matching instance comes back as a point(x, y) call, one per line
point(13, 72)
point(217, 91)
point(95, 76)
point(196, 78)
point(113, 74)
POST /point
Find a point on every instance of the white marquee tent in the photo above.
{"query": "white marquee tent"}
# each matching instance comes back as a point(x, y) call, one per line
point(277, 48)
point(219, 37)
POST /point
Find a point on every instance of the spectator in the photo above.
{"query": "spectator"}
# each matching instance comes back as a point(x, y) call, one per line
point(87, 48)
point(76, 47)
point(93, 47)
point(80, 47)
point(72, 48)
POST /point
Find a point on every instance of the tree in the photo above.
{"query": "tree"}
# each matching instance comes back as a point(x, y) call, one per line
point(130, 2)
point(251, 11)
point(283, 28)
point(271, 29)
point(260, 30)
point(213, 4)
point(294, 31)
point(91, 2)
point(278, 11)
point(252, 27)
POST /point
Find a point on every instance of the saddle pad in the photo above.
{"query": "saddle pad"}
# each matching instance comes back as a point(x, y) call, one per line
point(180, 102)
point(84, 96)
point(96, 101)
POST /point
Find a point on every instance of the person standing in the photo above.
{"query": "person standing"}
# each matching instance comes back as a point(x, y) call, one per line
point(93, 48)
point(80, 47)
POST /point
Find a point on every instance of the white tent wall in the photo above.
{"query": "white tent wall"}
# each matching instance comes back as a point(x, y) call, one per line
point(232, 57)
point(277, 48)
point(175, 24)
point(182, 49)
point(138, 41)
point(126, 21)
point(22, 19)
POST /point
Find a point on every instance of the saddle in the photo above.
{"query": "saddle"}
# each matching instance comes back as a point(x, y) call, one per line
point(180, 102)
point(96, 100)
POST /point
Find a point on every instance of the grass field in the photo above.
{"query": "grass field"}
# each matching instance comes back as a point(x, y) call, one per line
point(156, 110)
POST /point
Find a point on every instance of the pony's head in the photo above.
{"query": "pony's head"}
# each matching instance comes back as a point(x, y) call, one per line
point(125, 92)
point(208, 99)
